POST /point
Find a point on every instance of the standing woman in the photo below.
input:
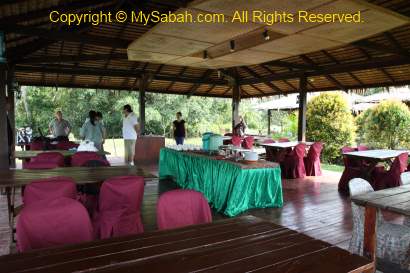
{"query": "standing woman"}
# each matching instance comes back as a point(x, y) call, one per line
point(92, 130)
point(179, 129)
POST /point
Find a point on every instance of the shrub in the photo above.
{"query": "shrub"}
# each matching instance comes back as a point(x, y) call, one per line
point(387, 125)
point(330, 121)
point(360, 121)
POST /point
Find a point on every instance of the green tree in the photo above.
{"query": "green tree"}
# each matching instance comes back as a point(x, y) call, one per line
point(330, 121)
point(387, 125)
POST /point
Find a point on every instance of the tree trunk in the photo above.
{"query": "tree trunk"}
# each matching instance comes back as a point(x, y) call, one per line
point(26, 105)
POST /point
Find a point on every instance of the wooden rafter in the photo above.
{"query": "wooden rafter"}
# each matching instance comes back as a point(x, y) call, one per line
point(195, 87)
point(318, 68)
point(273, 72)
point(179, 75)
point(373, 63)
point(333, 59)
point(256, 75)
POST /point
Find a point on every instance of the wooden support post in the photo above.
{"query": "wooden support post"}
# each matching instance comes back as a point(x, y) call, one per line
point(269, 120)
point(4, 145)
point(236, 99)
point(302, 109)
point(142, 87)
point(12, 115)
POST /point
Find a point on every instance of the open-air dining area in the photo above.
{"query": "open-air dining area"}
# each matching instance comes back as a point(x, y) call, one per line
point(205, 136)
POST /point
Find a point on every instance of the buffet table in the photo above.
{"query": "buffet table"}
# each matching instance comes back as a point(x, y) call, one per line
point(230, 187)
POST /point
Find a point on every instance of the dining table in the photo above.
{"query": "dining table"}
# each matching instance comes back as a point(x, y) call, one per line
point(230, 186)
point(396, 200)
point(277, 150)
point(14, 179)
point(241, 244)
point(371, 158)
point(28, 154)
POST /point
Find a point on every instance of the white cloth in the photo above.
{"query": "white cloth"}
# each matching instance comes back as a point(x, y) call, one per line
point(128, 123)
point(87, 146)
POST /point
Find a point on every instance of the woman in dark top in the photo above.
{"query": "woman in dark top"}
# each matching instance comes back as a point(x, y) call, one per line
point(179, 129)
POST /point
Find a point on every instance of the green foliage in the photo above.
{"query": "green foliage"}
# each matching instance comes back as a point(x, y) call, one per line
point(387, 125)
point(329, 120)
point(37, 106)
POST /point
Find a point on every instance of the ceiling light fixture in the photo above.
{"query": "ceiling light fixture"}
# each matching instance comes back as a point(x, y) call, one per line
point(232, 46)
point(266, 35)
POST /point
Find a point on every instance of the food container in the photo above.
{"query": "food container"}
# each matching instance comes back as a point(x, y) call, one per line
point(251, 156)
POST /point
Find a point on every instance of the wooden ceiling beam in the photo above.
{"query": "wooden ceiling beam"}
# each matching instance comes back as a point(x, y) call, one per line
point(63, 6)
point(289, 65)
point(73, 58)
point(285, 81)
point(328, 77)
point(373, 63)
point(179, 75)
point(333, 59)
point(256, 75)
point(195, 87)
point(65, 36)
point(382, 48)
point(112, 73)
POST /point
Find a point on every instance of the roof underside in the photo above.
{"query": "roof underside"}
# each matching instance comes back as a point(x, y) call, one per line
point(46, 54)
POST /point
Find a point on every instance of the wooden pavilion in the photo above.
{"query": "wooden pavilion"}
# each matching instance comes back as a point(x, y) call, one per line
point(231, 61)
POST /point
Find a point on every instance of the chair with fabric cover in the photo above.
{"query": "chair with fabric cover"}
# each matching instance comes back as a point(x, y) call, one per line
point(293, 165)
point(179, 208)
point(49, 188)
point(80, 159)
point(119, 207)
point(312, 160)
point(283, 139)
point(50, 223)
point(236, 141)
point(248, 142)
point(36, 145)
point(393, 240)
point(352, 170)
point(49, 157)
point(362, 148)
point(270, 154)
point(40, 166)
point(382, 179)
point(66, 145)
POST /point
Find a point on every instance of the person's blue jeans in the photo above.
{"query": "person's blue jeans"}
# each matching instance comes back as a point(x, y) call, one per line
point(179, 140)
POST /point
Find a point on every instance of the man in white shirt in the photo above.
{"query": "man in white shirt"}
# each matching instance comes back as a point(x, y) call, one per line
point(130, 130)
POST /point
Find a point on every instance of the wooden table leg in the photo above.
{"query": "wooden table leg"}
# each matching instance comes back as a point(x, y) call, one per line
point(370, 232)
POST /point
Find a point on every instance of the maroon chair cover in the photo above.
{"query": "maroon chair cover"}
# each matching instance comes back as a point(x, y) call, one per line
point(236, 141)
point(39, 165)
point(80, 159)
point(36, 146)
point(119, 207)
point(180, 208)
point(362, 148)
point(49, 223)
point(248, 142)
point(283, 139)
point(352, 170)
point(382, 179)
point(312, 161)
point(49, 157)
point(66, 145)
point(49, 188)
point(293, 165)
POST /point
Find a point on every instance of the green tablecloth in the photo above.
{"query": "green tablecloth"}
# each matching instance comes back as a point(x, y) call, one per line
point(229, 188)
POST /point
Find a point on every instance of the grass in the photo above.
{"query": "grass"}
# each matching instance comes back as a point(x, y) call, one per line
point(332, 167)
